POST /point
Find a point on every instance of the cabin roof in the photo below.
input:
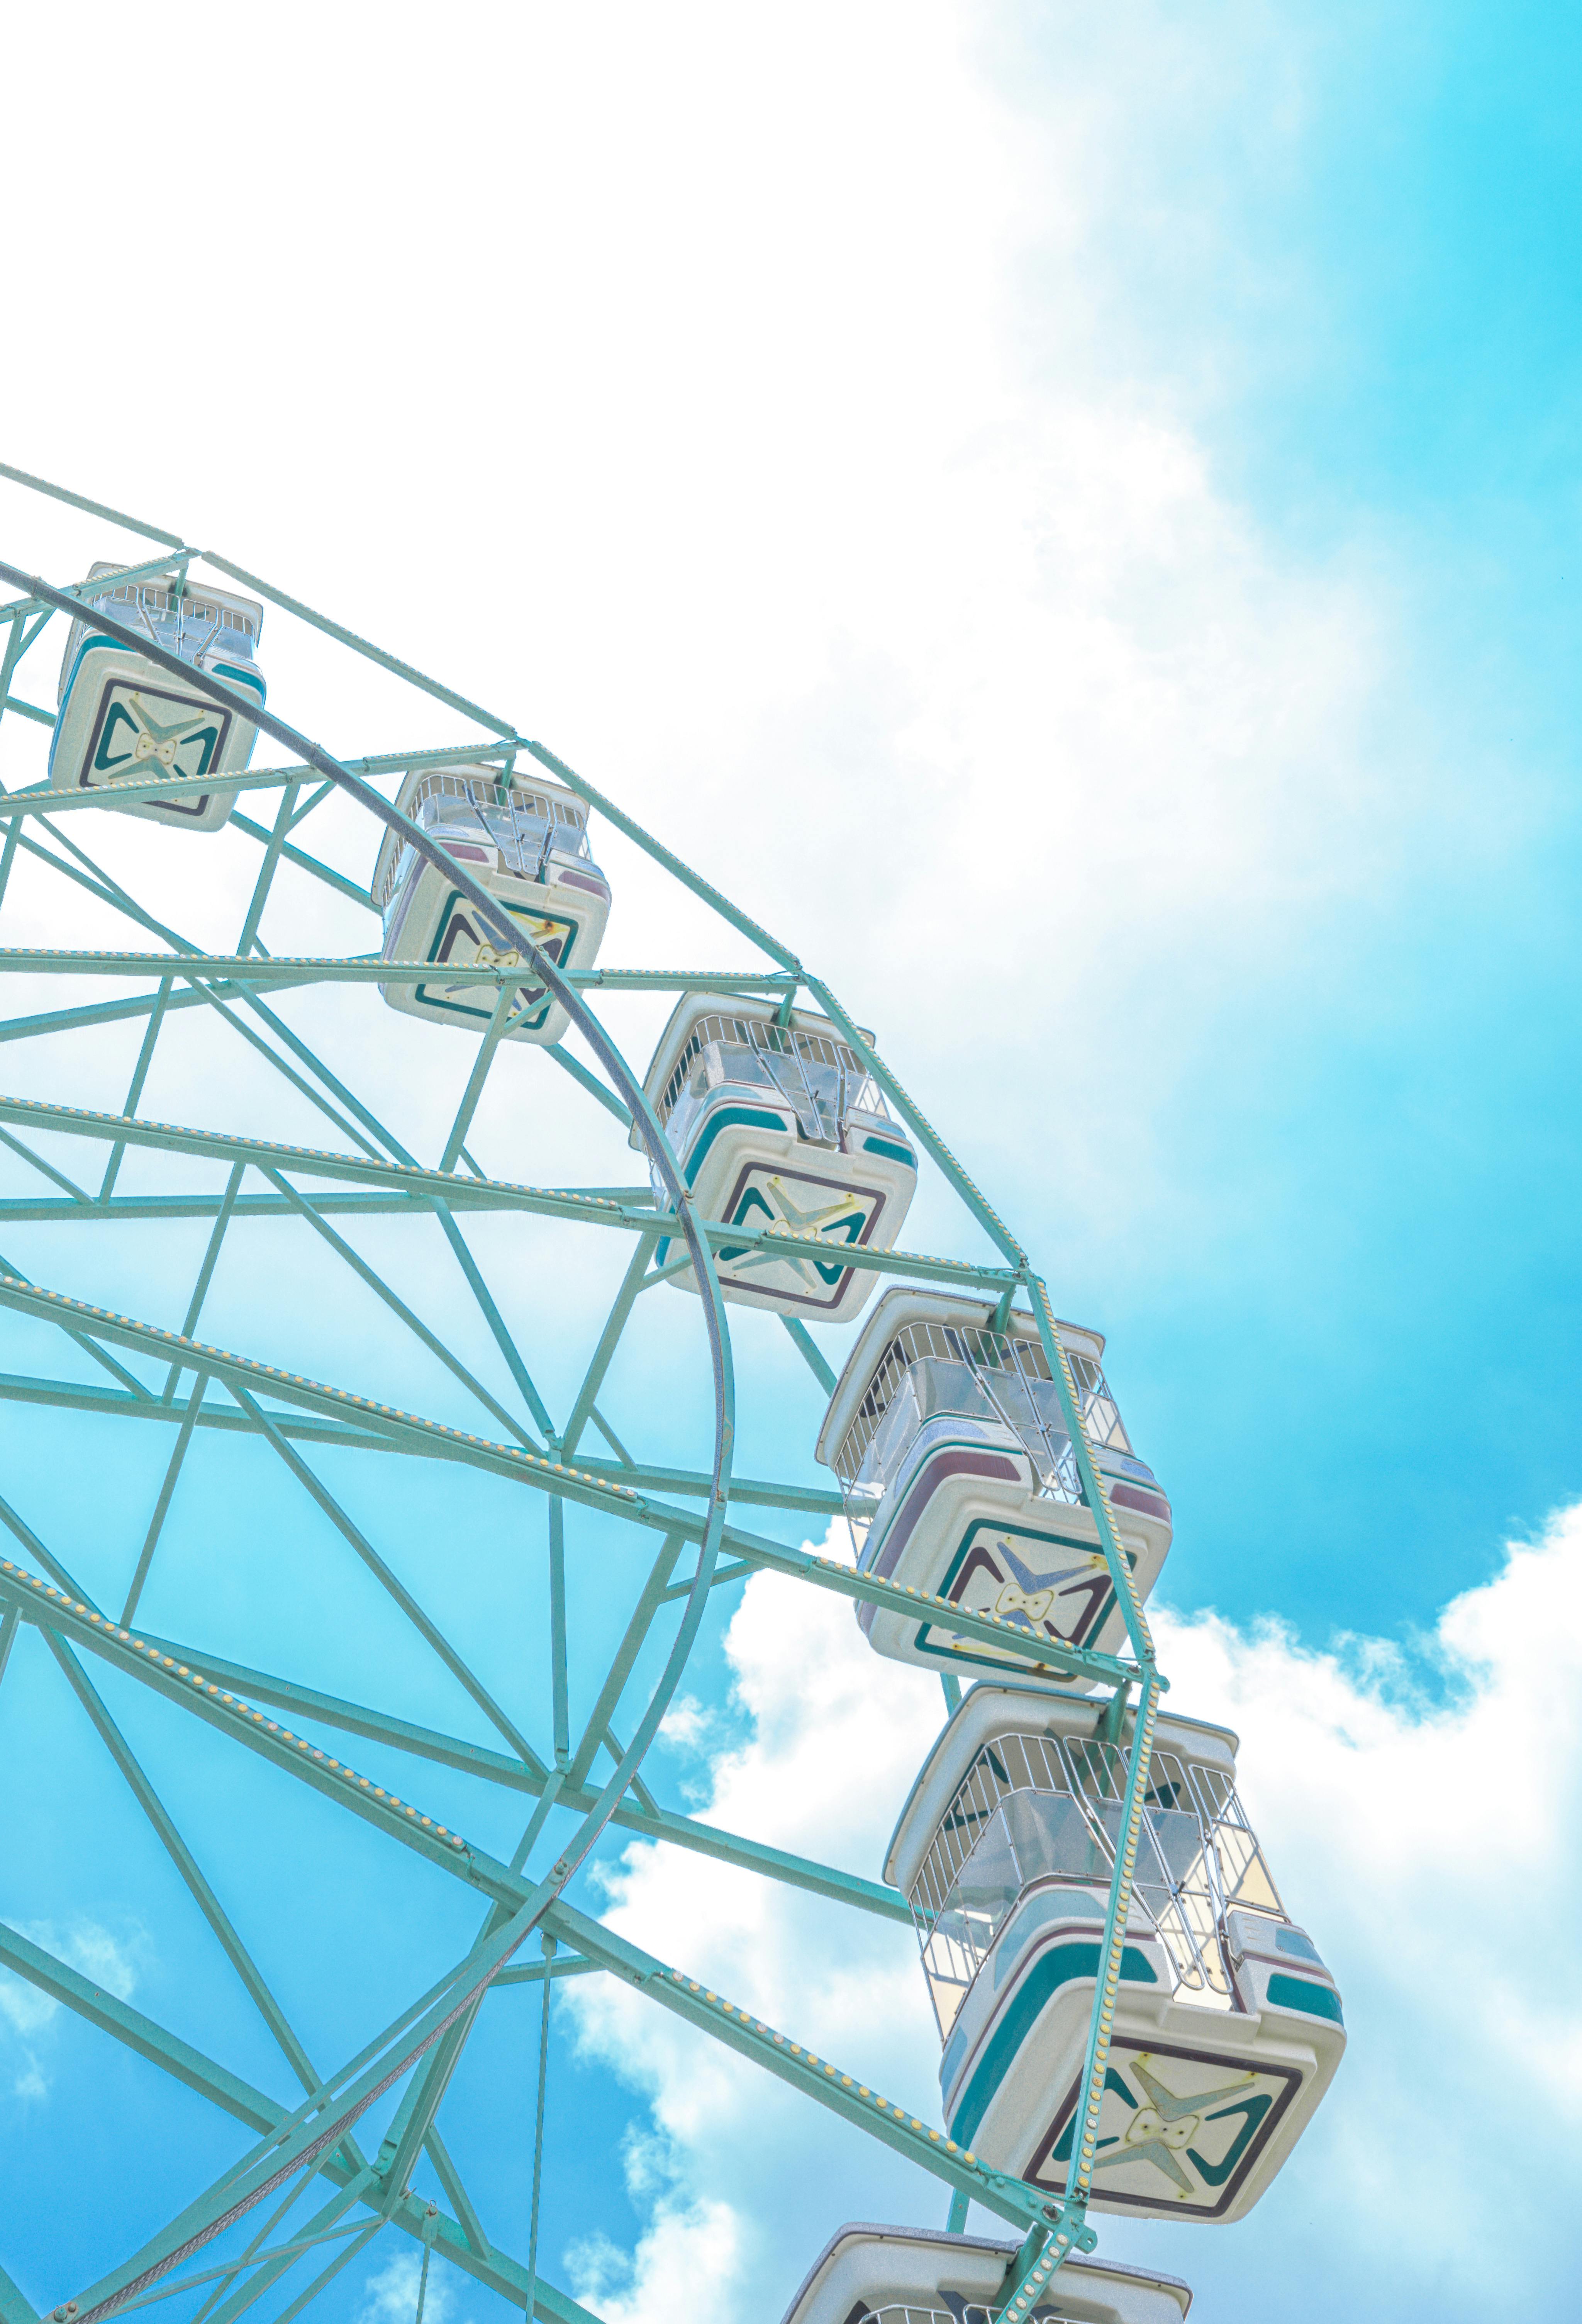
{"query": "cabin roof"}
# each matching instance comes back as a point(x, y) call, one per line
point(102, 566)
point(994, 1707)
point(974, 2264)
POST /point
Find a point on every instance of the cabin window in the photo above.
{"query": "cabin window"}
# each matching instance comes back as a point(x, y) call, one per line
point(1043, 1808)
point(933, 1369)
point(171, 621)
point(815, 1077)
point(907, 2312)
point(522, 826)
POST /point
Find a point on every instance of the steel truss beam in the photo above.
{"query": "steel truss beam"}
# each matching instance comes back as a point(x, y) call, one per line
point(185, 1864)
point(814, 2077)
point(264, 2115)
point(487, 1193)
point(331, 968)
point(578, 1484)
point(123, 1404)
point(44, 799)
point(225, 1693)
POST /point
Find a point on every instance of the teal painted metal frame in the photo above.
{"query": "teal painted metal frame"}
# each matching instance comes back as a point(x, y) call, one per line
point(372, 1174)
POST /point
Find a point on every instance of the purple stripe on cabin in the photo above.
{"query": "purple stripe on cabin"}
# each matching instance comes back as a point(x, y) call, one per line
point(1133, 1496)
point(589, 887)
point(933, 1474)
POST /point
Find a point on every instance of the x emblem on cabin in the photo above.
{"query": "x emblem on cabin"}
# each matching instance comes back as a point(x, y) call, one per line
point(1035, 1603)
point(152, 744)
point(783, 1211)
point(1159, 2132)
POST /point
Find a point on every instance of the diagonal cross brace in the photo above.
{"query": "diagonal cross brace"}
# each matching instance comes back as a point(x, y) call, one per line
point(258, 2112)
point(843, 2094)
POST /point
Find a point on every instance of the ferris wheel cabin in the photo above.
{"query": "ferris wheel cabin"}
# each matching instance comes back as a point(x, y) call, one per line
point(1228, 2026)
point(779, 1124)
point(527, 841)
point(956, 1429)
point(120, 717)
point(893, 2276)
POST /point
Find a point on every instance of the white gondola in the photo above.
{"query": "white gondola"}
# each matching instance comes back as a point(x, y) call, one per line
point(778, 1124)
point(913, 2276)
point(119, 717)
point(954, 1429)
point(1227, 2026)
point(527, 841)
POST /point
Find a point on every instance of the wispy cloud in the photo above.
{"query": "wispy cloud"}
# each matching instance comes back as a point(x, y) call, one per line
point(389, 2294)
point(110, 1960)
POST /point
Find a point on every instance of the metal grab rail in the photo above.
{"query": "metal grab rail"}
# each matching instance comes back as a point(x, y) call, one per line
point(975, 2312)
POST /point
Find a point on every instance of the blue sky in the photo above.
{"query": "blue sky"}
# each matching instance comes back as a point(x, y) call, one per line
point(1122, 478)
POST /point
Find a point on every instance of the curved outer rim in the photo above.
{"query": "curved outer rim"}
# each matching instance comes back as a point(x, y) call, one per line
point(300, 2148)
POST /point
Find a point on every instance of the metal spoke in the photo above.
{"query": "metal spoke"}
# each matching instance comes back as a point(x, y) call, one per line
point(156, 1017)
point(548, 1982)
point(626, 1654)
point(398, 1306)
point(162, 1506)
point(494, 1034)
point(266, 870)
point(185, 1864)
point(609, 1340)
point(386, 1579)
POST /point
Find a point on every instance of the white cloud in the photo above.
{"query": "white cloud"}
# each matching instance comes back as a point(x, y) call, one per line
point(1420, 1814)
point(389, 2295)
point(687, 1724)
point(688, 2252)
point(931, 635)
point(687, 2258)
point(24, 2008)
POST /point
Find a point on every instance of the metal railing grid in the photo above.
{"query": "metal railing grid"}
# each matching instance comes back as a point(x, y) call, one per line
point(555, 818)
point(1198, 1856)
point(986, 1354)
point(784, 1053)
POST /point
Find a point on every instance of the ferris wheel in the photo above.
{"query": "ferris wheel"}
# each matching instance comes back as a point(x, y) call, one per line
point(1130, 2021)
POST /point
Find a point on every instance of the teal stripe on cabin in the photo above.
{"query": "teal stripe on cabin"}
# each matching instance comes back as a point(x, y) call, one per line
point(1061, 1965)
point(725, 1118)
point(1302, 1992)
